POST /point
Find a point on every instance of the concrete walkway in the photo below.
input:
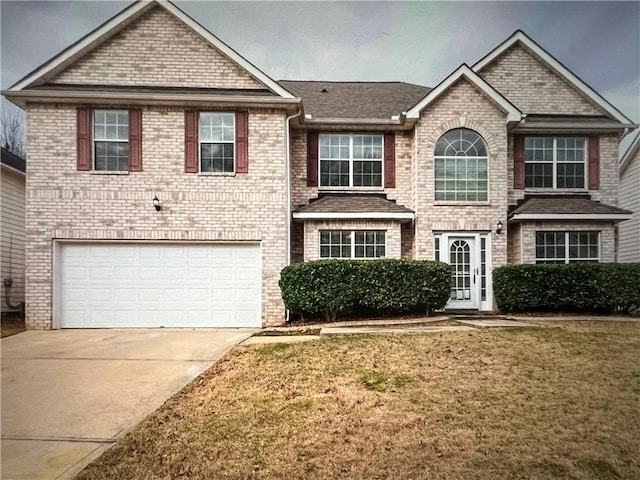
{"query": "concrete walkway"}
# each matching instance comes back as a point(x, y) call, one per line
point(67, 395)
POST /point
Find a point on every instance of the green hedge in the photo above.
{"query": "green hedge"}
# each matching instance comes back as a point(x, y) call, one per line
point(577, 287)
point(329, 288)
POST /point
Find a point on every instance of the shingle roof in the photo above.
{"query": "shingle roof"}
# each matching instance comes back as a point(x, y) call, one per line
point(370, 100)
point(352, 203)
point(572, 205)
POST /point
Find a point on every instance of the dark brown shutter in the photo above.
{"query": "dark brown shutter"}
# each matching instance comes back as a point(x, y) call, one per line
point(390, 160)
point(518, 161)
point(312, 159)
point(191, 141)
point(83, 138)
point(594, 163)
point(135, 140)
point(242, 142)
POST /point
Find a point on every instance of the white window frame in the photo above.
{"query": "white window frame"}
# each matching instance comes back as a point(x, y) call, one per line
point(567, 259)
point(445, 158)
point(350, 160)
point(200, 143)
point(94, 139)
point(352, 247)
point(555, 161)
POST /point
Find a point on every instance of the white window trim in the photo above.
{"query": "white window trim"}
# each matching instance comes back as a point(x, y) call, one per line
point(555, 162)
point(107, 140)
point(353, 245)
point(200, 142)
point(567, 259)
point(351, 160)
point(459, 202)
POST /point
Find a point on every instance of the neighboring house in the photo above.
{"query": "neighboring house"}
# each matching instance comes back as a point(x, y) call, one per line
point(629, 230)
point(12, 223)
point(170, 180)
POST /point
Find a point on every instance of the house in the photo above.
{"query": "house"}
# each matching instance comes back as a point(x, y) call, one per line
point(12, 191)
point(629, 230)
point(170, 180)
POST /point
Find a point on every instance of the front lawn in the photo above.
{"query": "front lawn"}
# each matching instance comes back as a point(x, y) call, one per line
point(556, 402)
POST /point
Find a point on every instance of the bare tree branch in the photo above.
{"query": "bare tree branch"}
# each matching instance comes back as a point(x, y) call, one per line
point(12, 131)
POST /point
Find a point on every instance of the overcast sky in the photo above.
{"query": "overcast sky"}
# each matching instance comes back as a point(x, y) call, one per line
point(418, 42)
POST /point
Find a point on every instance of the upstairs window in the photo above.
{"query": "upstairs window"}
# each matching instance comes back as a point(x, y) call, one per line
point(351, 244)
point(461, 172)
point(217, 142)
point(567, 247)
point(351, 160)
point(555, 162)
point(111, 140)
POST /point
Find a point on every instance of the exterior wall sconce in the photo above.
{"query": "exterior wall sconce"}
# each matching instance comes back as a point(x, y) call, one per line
point(499, 227)
point(156, 203)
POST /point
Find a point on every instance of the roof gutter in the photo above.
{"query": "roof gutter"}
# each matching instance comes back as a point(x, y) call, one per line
point(21, 98)
point(518, 217)
point(353, 215)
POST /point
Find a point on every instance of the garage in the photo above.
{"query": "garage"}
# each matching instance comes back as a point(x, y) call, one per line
point(140, 285)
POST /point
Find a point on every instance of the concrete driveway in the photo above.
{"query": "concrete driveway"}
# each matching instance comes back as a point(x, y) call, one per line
point(67, 395)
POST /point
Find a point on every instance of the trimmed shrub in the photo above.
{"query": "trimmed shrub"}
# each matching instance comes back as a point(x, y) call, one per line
point(577, 287)
point(329, 288)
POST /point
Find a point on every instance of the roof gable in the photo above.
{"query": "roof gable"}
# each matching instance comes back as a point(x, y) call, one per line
point(463, 71)
point(229, 58)
point(555, 66)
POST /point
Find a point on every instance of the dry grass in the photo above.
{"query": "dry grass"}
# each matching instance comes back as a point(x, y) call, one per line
point(557, 402)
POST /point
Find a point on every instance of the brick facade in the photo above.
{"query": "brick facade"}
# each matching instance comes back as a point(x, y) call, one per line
point(63, 203)
point(158, 50)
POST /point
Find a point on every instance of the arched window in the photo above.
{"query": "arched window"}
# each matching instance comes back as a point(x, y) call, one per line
point(461, 167)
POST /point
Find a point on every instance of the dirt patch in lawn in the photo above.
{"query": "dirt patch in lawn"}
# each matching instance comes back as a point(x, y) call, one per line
point(560, 402)
point(11, 324)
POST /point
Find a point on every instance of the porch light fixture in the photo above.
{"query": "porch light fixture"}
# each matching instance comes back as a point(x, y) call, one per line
point(156, 203)
point(499, 227)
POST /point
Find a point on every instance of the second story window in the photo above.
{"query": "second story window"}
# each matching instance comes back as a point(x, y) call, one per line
point(350, 160)
point(461, 170)
point(555, 162)
point(111, 140)
point(217, 142)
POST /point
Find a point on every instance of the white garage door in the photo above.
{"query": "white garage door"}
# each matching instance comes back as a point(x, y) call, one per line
point(108, 285)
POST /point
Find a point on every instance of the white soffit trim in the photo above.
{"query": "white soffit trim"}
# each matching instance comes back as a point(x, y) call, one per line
point(570, 216)
point(631, 152)
point(520, 36)
point(513, 114)
point(139, 8)
point(349, 216)
point(14, 170)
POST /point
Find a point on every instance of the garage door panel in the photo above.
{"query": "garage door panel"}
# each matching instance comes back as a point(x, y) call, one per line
point(151, 285)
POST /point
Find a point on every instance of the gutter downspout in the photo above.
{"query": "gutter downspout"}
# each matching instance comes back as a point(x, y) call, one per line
point(287, 162)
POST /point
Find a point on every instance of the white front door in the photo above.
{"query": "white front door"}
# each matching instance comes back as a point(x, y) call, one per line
point(462, 253)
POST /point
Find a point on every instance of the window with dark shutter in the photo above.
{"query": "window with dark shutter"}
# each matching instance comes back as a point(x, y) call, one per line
point(191, 141)
point(312, 159)
point(518, 161)
point(594, 163)
point(135, 140)
point(389, 160)
point(83, 139)
point(242, 142)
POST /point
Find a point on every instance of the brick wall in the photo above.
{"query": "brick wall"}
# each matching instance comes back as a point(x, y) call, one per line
point(532, 87)
point(461, 106)
point(63, 203)
point(301, 194)
point(607, 237)
point(312, 237)
point(157, 50)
